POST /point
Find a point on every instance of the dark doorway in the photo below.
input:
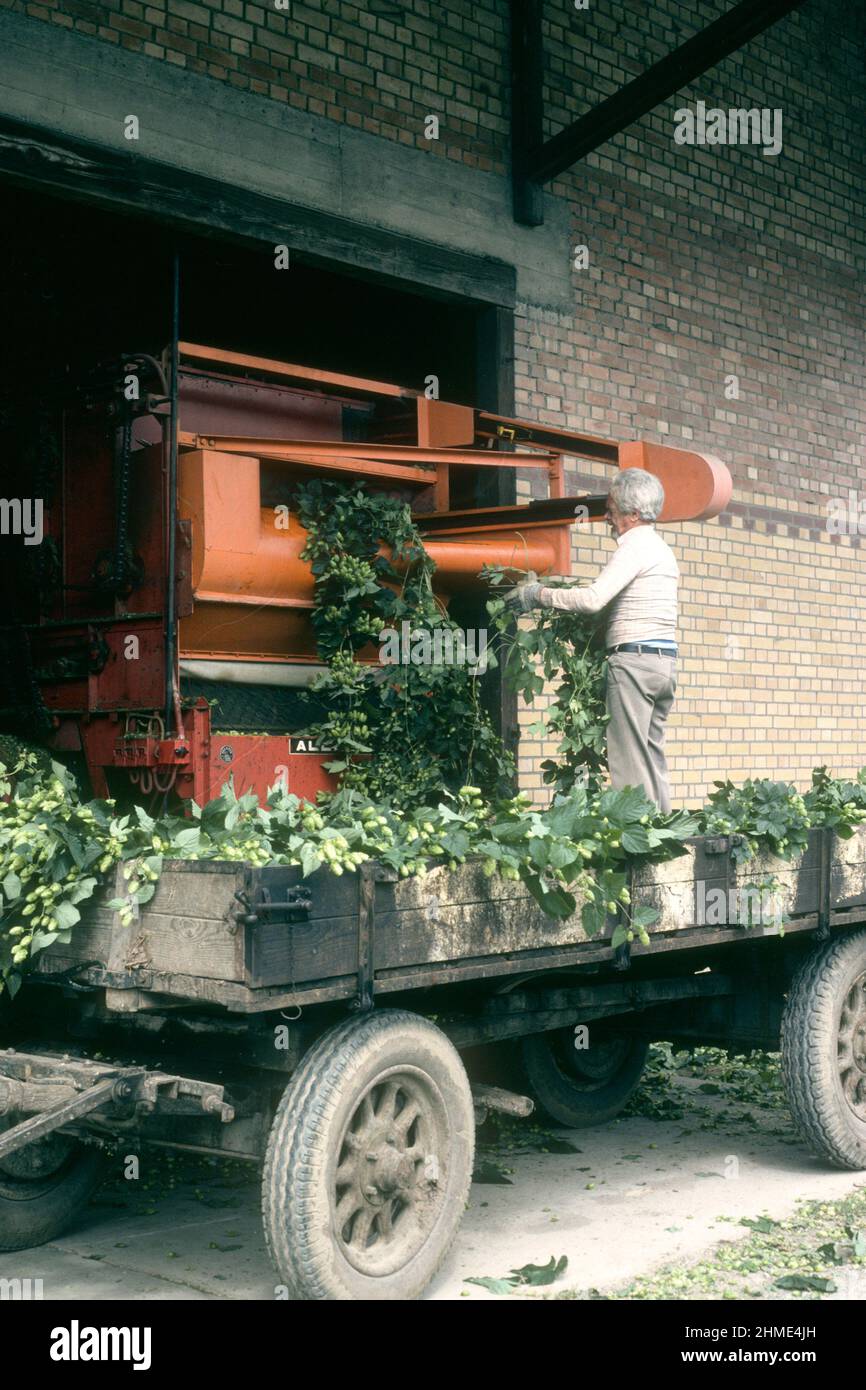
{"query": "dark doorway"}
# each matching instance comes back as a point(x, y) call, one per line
point(81, 285)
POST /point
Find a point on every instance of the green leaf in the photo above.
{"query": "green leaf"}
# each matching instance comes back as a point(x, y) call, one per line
point(310, 858)
point(539, 851)
point(191, 838)
point(540, 1275)
point(626, 806)
point(65, 914)
point(635, 840)
point(835, 1253)
point(763, 1224)
point(559, 856)
point(806, 1282)
point(593, 918)
point(644, 916)
point(12, 886)
point(81, 888)
point(493, 1285)
point(41, 940)
point(556, 902)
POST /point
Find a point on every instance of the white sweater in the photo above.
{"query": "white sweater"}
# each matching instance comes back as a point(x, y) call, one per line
point(639, 582)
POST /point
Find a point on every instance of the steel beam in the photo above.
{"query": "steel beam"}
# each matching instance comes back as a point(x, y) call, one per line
point(537, 163)
point(527, 109)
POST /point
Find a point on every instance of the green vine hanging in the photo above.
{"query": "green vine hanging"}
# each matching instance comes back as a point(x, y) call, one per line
point(566, 651)
point(405, 731)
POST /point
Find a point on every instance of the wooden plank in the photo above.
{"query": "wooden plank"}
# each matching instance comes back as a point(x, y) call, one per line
point(679, 870)
point(456, 930)
point(186, 945)
point(176, 945)
point(197, 890)
point(851, 850)
point(584, 953)
point(289, 954)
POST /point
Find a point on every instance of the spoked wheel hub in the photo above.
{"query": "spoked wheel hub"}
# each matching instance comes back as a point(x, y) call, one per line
point(387, 1180)
point(369, 1160)
point(594, 1066)
point(851, 1047)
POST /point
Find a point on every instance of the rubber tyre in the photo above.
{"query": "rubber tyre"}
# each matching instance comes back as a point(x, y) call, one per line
point(568, 1096)
point(39, 1208)
point(308, 1141)
point(812, 1049)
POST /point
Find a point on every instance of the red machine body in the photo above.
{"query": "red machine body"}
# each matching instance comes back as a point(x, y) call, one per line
point(181, 709)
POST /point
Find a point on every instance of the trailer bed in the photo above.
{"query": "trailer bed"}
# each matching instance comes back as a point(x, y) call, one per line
point(258, 939)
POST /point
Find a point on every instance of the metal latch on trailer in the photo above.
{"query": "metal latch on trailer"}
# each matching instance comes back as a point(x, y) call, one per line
point(58, 1091)
point(294, 907)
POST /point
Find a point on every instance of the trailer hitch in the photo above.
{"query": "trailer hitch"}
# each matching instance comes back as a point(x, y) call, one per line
point(55, 1092)
point(62, 1113)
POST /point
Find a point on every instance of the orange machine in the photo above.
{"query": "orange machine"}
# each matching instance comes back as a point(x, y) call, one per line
point(172, 651)
point(246, 546)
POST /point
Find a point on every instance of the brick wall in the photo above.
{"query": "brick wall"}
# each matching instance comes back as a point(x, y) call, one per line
point(705, 263)
point(382, 67)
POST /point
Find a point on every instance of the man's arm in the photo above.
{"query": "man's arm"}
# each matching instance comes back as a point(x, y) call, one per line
point(622, 567)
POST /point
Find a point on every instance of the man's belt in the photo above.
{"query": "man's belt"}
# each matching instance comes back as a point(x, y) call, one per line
point(643, 648)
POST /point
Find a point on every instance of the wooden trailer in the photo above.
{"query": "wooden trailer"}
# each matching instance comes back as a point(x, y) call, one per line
point(260, 1015)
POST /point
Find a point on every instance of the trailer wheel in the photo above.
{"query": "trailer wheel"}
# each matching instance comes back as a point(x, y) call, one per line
point(369, 1161)
point(582, 1087)
point(824, 1050)
point(43, 1188)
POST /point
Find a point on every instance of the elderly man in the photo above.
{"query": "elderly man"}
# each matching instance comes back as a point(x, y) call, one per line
point(638, 587)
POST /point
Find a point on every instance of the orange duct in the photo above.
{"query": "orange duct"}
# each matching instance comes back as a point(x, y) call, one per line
point(253, 593)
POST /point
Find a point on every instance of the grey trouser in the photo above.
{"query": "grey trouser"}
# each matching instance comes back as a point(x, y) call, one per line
point(640, 692)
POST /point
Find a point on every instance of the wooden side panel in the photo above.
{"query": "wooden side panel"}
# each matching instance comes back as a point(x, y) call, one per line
point(848, 871)
point(187, 928)
point(190, 927)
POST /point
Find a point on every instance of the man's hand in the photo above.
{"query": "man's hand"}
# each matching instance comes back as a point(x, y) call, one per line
point(525, 597)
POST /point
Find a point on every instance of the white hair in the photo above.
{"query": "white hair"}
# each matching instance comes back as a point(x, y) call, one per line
point(637, 492)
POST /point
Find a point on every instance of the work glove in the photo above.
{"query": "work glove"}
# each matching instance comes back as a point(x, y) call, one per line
point(525, 597)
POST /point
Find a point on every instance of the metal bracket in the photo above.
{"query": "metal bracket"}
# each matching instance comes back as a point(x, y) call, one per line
point(367, 876)
point(724, 845)
point(622, 954)
point(824, 852)
point(297, 904)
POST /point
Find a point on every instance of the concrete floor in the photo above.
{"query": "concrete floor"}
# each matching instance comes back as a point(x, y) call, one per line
point(639, 1194)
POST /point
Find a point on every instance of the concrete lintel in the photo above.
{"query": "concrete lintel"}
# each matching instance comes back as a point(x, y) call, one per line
point(84, 88)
